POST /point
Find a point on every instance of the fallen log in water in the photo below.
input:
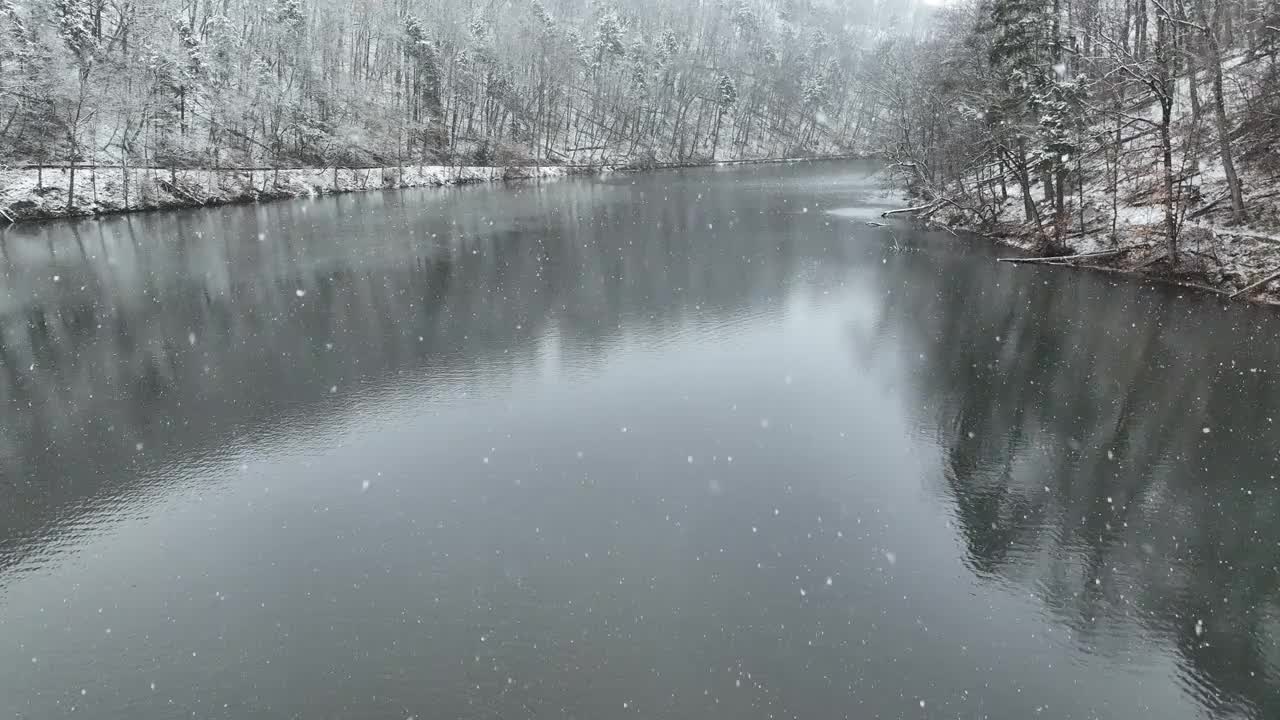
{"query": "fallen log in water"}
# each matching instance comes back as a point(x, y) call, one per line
point(1254, 286)
point(917, 208)
point(1066, 259)
point(927, 211)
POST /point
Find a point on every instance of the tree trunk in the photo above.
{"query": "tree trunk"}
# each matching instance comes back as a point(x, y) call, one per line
point(1115, 152)
point(1080, 190)
point(1238, 213)
point(1164, 89)
point(1197, 114)
point(1060, 204)
point(715, 135)
point(1024, 181)
point(1166, 154)
point(1140, 29)
point(124, 168)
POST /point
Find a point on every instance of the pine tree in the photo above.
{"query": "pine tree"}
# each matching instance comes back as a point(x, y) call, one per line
point(1019, 56)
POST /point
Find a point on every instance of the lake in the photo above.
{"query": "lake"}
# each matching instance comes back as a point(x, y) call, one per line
point(684, 444)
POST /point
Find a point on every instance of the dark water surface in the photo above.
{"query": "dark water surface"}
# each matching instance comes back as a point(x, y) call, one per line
point(676, 445)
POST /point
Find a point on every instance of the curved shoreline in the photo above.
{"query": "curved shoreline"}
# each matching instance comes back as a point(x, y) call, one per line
point(30, 195)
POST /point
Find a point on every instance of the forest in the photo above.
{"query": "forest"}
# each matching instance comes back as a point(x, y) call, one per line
point(363, 83)
point(1136, 132)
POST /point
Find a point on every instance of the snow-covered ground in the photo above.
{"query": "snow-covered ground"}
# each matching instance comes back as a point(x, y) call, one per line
point(1214, 253)
point(28, 195)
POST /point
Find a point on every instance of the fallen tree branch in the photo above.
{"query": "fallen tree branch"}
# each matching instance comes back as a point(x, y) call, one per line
point(1202, 288)
point(927, 211)
point(917, 208)
point(1205, 210)
point(937, 205)
point(1154, 278)
point(1159, 258)
point(1256, 285)
point(1066, 259)
point(173, 188)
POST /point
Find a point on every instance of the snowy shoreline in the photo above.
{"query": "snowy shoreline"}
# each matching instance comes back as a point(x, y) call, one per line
point(30, 195)
point(1250, 257)
point(25, 196)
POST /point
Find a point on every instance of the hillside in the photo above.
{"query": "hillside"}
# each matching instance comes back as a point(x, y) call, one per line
point(1140, 142)
point(1219, 252)
point(271, 84)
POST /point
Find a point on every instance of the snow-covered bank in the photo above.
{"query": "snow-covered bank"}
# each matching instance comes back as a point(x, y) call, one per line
point(33, 195)
point(1116, 200)
point(641, 167)
point(1234, 266)
point(27, 195)
point(1214, 255)
point(1235, 262)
